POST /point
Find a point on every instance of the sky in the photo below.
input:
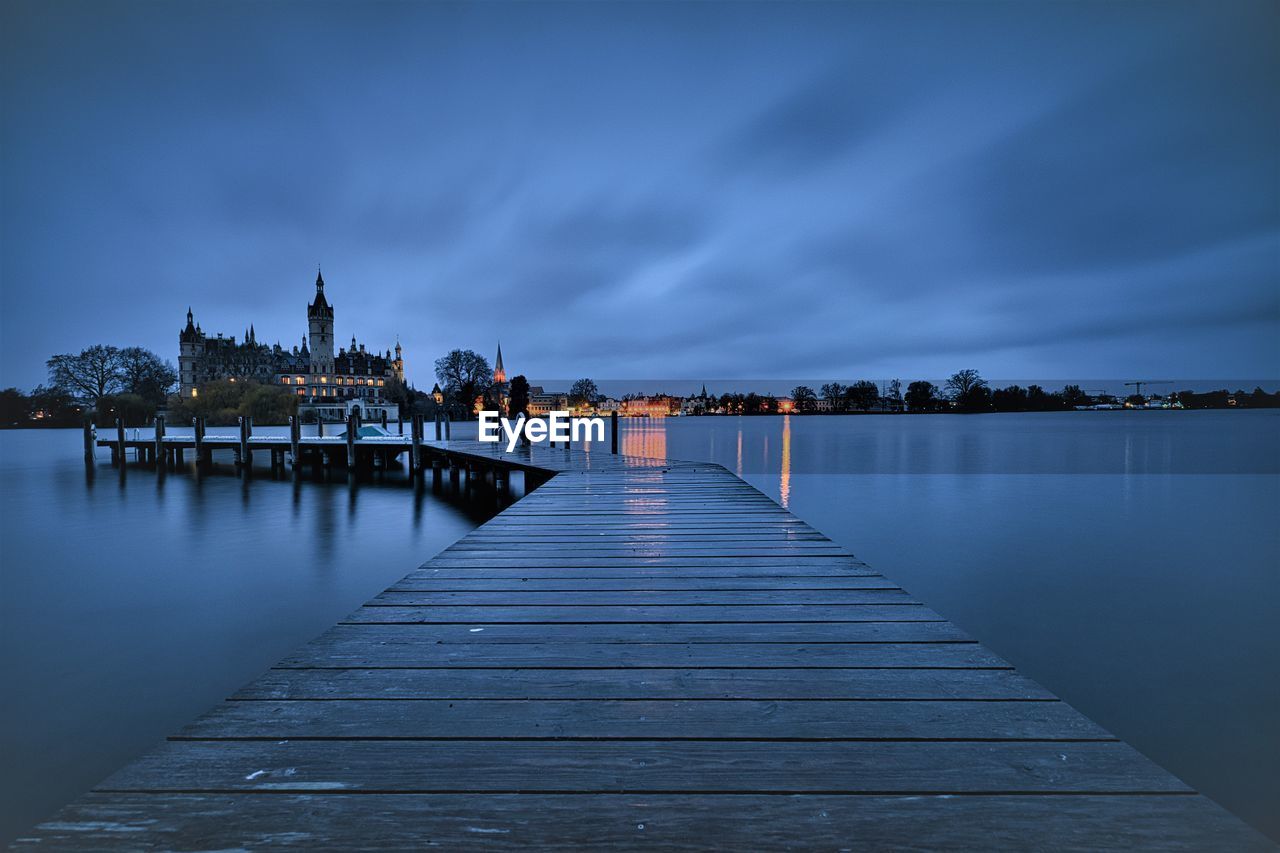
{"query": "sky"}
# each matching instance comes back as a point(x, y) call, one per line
point(859, 190)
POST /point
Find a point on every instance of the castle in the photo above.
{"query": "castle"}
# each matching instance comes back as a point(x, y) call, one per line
point(329, 386)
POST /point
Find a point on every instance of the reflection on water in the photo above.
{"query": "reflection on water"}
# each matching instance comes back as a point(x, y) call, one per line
point(131, 602)
point(1127, 560)
point(644, 437)
point(784, 469)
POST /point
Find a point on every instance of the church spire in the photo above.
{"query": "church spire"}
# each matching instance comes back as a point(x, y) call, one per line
point(499, 372)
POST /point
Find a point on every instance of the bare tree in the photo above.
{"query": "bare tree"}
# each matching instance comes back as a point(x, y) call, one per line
point(464, 376)
point(94, 373)
point(833, 392)
point(804, 398)
point(146, 374)
point(584, 392)
point(962, 383)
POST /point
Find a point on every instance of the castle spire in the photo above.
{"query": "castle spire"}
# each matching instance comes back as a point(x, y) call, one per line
point(319, 279)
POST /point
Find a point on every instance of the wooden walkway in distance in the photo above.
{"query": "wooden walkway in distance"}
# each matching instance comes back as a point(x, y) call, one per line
point(643, 655)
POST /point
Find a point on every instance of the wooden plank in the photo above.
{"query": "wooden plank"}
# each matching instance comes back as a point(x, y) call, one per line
point(710, 719)
point(924, 685)
point(677, 632)
point(341, 648)
point(827, 598)
point(594, 822)
point(929, 767)
point(520, 580)
point(583, 614)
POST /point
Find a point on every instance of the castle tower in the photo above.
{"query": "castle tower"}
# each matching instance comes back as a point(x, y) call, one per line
point(499, 372)
point(190, 348)
point(320, 330)
point(397, 366)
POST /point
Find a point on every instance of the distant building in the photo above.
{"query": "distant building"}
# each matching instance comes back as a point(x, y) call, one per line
point(542, 402)
point(699, 404)
point(657, 406)
point(328, 385)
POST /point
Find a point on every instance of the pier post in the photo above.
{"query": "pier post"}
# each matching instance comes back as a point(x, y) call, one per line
point(415, 437)
point(319, 426)
point(399, 420)
point(88, 441)
point(159, 441)
point(197, 427)
point(446, 426)
point(295, 437)
point(120, 446)
point(384, 419)
point(353, 422)
point(613, 431)
point(438, 424)
point(244, 441)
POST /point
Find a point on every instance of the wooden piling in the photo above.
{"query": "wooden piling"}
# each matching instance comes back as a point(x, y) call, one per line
point(246, 430)
point(613, 431)
point(295, 438)
point(446, 426)
point(384, 419)
point(353, 424)
point(415, 438)
point(159, 441)
point(120, 445)
point(399, 420)
point(88, 442)
point(438, 426)
point(197, 427)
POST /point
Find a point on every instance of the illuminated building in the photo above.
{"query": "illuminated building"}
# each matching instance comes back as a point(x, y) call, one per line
point(329, 385)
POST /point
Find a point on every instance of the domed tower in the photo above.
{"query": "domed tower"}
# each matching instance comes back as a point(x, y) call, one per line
point(320, 330)
point(190, 348)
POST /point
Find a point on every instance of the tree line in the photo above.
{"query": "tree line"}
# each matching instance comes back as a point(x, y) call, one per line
point(133, 383)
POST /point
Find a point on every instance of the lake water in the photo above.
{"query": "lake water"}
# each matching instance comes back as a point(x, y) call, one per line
point(1129, 561)
point(130, 606)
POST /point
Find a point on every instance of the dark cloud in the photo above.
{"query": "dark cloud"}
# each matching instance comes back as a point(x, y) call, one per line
point(635, 189)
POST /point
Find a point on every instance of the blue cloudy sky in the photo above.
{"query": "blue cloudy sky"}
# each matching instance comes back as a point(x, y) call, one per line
point(677, 190)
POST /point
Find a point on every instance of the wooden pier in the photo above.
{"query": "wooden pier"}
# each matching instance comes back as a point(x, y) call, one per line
point(646, 655)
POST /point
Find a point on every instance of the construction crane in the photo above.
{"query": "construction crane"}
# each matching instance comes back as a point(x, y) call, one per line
point(1138, 385)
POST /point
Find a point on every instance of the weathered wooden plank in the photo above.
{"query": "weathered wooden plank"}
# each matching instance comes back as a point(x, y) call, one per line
point(711, 719)
point(594, 822)
point(704, 567)
point(678, 632)
point(654, 683)
point(521, 580)
point(829, 598)
point(929, 767)
point(583, 614)
point(342, 648)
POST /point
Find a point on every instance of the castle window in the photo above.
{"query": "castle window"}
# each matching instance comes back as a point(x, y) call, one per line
point(302, 380)
point(302, 392)
point(381, 382)
point(285, 379)
point(324, 379)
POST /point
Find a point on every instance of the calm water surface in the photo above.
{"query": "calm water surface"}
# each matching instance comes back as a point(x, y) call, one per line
point(130, 606)
point(1129, 561)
